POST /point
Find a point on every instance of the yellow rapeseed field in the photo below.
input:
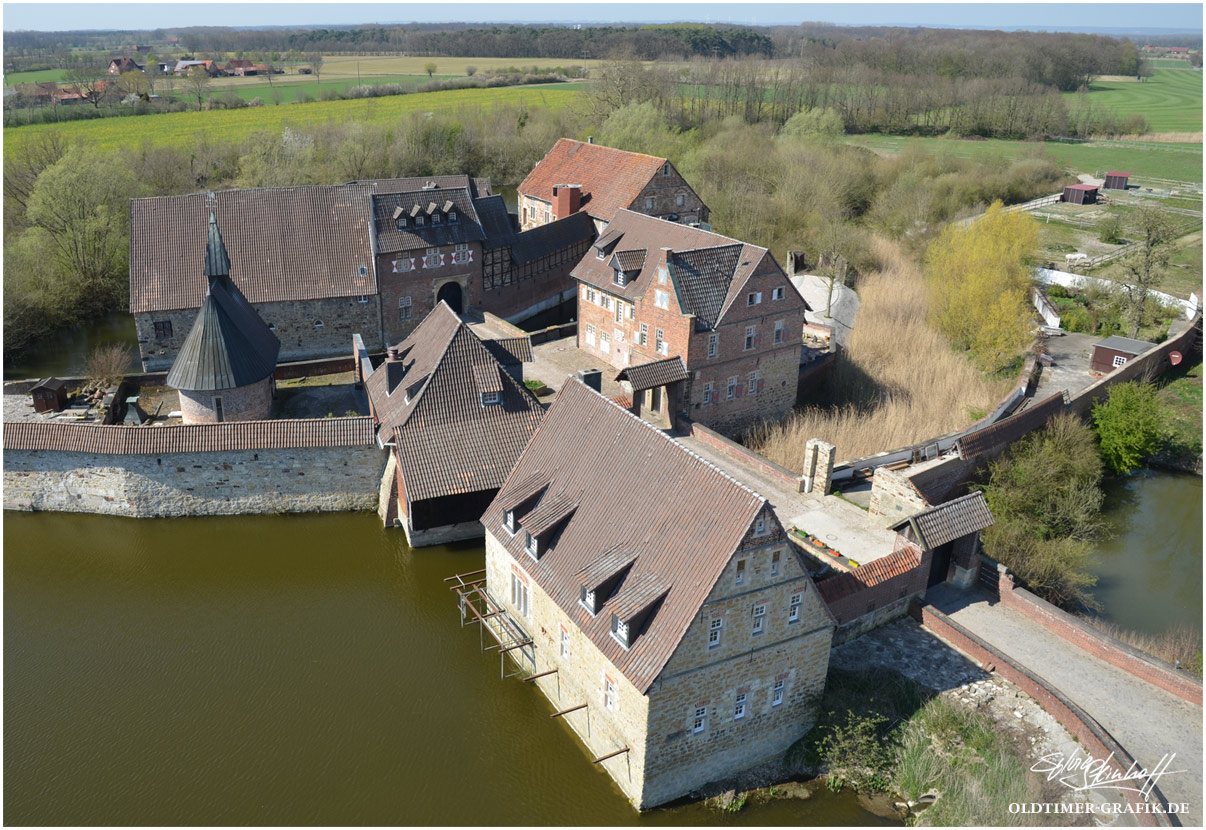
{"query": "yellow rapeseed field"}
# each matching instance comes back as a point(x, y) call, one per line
point(171, 128)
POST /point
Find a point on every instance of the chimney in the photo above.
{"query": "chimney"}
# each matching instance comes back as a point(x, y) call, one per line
point(590, 139)
point(395, 370)
point(391, 354)
point(567, 198)
point(592, 378)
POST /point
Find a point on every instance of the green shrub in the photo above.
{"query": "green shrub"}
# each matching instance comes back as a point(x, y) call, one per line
point(858, 753)
point(1128, 425)
point(1109, 230)
point(1076, 319)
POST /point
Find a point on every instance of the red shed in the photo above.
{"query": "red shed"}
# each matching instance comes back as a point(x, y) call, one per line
point(1116, 351)
point(1116, 181)
point(50, 395)
point(1080, 194)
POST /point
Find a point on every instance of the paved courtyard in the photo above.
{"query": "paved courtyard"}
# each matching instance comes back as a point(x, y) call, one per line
point(1071, 354)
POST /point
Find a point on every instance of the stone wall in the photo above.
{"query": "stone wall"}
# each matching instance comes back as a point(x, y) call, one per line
point(893, 497)
point(244, 403)
point(743, 455)
point(301, 480)
point(294, 324)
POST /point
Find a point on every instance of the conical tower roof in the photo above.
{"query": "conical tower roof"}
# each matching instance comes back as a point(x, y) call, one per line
point(229, 345)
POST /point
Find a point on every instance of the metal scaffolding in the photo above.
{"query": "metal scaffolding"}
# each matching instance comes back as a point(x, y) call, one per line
point(478, 608)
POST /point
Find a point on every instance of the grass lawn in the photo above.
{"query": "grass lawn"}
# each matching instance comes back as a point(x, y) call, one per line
point(1184, 274)
point(1182, 162)
point(1181, 396)
point(345, 66)
point(1169, 63)
point(293, 86)
point(41, 76)
point(1171, 101)
point(172, 128)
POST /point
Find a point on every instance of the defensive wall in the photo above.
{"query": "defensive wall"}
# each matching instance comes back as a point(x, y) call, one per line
point(235, 467)
point(1092, 736)
point(876, 593)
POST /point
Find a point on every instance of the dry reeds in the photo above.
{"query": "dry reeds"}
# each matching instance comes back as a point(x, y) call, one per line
point(898, 383)
point(1178, 644)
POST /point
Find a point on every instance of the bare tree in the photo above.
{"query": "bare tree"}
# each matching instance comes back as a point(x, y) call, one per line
point(88, 82)
point(134, 83)
point(315, 60)
point(1145, 267)
point(197, 82)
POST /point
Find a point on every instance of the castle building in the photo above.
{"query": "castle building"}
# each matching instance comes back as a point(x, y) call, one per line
point(652, 291)
point(658, 605)
point(599, 181)
point(321, 263)
point(455, 415)
point(225, 366)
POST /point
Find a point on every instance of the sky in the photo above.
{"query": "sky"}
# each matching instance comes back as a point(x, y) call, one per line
point(160, 14)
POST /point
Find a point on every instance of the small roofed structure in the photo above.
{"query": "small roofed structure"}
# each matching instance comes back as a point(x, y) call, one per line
point(50, 395)
point(951, 532)
point(1080, 194)
point(225, 367)
point(1114, 352)
point(1116, 181)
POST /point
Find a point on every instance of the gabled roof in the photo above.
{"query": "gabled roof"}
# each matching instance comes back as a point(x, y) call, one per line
point(510, 351)
point(655, 373)
point(611, 179)
point(680, 518)
point(708, 270)
point(495, 221)
point(229, 344)
point(286, 243)
point(898, 563)
point(952, 520)
point(391, 238)
point(447, 441)
point(52, 383)
point(545, 239)
point(478, 188)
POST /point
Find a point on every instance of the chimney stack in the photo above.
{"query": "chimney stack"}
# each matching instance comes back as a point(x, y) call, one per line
point(567, 198)
point(394, 369)
point(590, 139)
point(592, 378)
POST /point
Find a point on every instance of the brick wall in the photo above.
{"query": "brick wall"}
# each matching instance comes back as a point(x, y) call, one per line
point(1114, 652)
point(420, 286)
point(746, 456)
point(1092, 736)
point(859, 606)
point(664, 190)
point(244, 403)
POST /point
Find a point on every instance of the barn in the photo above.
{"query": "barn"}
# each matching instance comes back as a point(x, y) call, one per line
point(1116, 351)
point(1116, 181)
point(1080, 194)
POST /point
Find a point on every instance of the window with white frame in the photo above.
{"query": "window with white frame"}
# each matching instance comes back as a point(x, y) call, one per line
point(753, 298)
point(793, 608)
point(599, 253)
point(491, 398)
point(648, 203)
point(404, 264)
point(777, 692)
point(644, 335)
point(619, 312)
point(700, 721)
point(777, 293)
point(433, 258)
point(435, 219)
point(631, 311)
point(732, 390)
point(609, 694)
point(1119, 360)
point(739, 707)
point(759, 617)
point(714, 629)
point(775, 555)
point(509, 522)
point(661, 342)
point(519, 594)
point(661, 276)
point(680, 200)
point(604, 341)
point(548, 215)
point(740, 576)
point(753, 387)
point(405, 306)
point(462, 254)
point(531, 545)
point(708, 392)
point(713, 344)
point(452, 220)
point(750, 336)
point(760, 526)
point(620, 632)
point(590, 334)
point(661, 299)
point(779, 331)
point(419, 220)
point(564, 649)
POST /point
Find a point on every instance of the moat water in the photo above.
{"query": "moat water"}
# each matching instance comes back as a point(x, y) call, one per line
point(302, 669)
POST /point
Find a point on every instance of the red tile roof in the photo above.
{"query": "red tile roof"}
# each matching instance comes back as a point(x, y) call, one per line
point(611, 179)
point(224, 437)
point(680, 518)
point(866, 576)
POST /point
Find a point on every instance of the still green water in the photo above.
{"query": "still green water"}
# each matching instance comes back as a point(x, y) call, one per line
point(1149, 575)
point(280, 670)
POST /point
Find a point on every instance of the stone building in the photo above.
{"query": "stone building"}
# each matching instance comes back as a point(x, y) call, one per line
point(225, 366)
point(658, 601)
point(320, 263)
point(455, 415)
point(651, 290)
point(599, 181)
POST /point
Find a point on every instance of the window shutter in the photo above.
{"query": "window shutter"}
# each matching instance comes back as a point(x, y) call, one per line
point(614, 620)
point(760, 386)
point(739, 388)
point(758, 342)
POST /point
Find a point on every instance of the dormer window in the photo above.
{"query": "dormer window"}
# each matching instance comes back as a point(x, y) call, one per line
point(532, 545)
point(435, 218)
point(587, 599)
point(418, 221)
point(599, 253)
point(491, 398)
point(452, 220)
point(401, 223)
point(509, 522)
point(620, 278)
point(666, 169)
point(619, 630)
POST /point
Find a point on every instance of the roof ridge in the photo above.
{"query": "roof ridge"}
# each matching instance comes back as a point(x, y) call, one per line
point(676, 443)
point(439, 362)
point(612, 149)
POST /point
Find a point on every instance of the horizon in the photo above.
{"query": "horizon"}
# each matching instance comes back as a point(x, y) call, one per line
point(1118, 18)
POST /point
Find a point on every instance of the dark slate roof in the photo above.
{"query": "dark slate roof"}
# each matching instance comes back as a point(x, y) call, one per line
point(477, 187)
point(495, 221)
point(49, 383)
point(610, 179)
point(447, 442)
point(488, 377)
point(467, 228)
point(952, 520)
point(1125, 344)
point(228, 436)
point(545, 239)
point(679, 516)
point(510, 351)
point(656, 373)
point(217, 263)
point(630, 260)
point(286, 243)
point(228, 346)
point(708, 270)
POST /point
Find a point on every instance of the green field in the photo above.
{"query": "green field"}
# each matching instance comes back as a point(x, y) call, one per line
point(1168, 63)
point(175, 127)
point(292, 90)
point(42, 75)
point(1170, 100)
point(1181, 162)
